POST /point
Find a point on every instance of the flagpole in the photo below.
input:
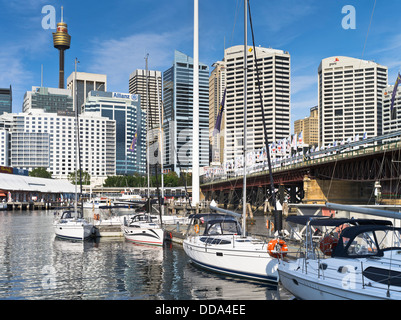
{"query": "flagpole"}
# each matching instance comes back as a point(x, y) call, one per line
point(245, 119)
point(195, 117)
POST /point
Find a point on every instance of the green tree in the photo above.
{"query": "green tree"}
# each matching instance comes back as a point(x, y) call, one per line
point(86, 178)
point(40, 173)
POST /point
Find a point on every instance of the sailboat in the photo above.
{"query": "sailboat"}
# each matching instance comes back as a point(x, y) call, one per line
point(71, 225)
point(217, 242)
point(346, 259)
point(142, 228)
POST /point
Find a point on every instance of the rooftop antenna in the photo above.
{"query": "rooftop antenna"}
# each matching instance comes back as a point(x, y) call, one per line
point(61, 13)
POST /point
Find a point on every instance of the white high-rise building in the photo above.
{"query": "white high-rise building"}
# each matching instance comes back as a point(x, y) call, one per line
point(350, 91)
point(217, 85)
point(86, 82)
point(137, 85)
point(48, 140)
point(274, 75)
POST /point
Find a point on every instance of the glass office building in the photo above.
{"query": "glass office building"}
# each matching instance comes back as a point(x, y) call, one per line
point(5, 100)
point(125, 109)
point(178, 114)
point(51, 100)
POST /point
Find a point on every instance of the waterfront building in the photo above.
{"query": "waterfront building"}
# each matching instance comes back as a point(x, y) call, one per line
point(391, 122)
point(49, 99)
point(350, 91)
point(137, 85)
point(178, 111)
point(309, 128)
point(86, 82)
point(130, 119)
point(217, 85)
point(40, 139)
point(6, 100)
point(274, 75)
point(4, 147)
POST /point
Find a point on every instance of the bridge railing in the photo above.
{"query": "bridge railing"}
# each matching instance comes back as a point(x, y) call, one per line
point(342, 152)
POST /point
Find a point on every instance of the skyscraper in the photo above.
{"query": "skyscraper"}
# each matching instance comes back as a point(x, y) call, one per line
point(130, 119)
point(217, 84)
point(49, 99)
point(86, 82)
point(6, 100)
point(178, 113)
point(274, 75)
point(391, 123)
point(350, 91)
point(137, 85)
point(310, 127)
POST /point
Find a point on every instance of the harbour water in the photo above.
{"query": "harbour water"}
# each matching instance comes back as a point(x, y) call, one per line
point(34, 265)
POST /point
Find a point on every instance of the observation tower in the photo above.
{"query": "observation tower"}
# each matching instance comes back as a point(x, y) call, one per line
point(61, 41)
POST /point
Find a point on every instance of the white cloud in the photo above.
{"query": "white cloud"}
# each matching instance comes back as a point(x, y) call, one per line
point(301, 83)
point(118, 58)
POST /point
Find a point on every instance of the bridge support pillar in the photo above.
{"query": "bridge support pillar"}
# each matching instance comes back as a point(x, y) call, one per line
point(340, 191)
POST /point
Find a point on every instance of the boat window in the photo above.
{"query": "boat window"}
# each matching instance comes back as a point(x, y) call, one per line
point(211, 240)
point(230, 227)
point(363, 244)
point(388, 239)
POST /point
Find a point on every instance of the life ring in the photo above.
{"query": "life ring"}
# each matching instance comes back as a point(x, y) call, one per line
point(196, 228)
point(327, 244)
point(272, 248)
point(270, 225)
point(96, 216)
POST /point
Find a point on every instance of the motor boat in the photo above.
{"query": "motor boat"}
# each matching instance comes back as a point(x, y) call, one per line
point(344, 259)
point(216, 242)
point(97, 203)
point(72, 227)
point(142, 229)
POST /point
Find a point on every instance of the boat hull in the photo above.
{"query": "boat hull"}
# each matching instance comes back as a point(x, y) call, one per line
point(149, 236)
point(250, 261)
point(73, 230)
point(313, 286)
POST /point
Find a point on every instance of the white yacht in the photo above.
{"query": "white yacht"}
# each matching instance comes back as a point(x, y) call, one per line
point(142, 229)
point(215, 242)
point(345, 259)
point(72, 227)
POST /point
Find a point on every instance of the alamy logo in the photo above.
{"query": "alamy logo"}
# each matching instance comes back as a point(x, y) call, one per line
point(49, 20)
point(349, 20)
point(349, 278)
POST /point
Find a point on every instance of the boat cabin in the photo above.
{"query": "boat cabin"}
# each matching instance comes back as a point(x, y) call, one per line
point(213, 224)
point(351, 238)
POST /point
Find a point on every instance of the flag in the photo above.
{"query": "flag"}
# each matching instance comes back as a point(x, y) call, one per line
point(392, 109)
point(300, 138)
point(220, 115)
point(133, 143)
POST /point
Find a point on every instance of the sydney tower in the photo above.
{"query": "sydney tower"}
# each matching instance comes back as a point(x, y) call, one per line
point(61, 41)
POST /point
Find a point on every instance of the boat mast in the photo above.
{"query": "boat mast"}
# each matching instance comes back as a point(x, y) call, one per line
point(245, 119)
point(147, 131)
point(78, 159)
point(160, 114)
point(195, 117)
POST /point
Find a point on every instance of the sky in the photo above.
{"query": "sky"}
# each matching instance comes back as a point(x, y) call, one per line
point(113, 38)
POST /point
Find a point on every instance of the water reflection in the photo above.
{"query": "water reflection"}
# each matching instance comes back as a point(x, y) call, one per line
point(36, 265)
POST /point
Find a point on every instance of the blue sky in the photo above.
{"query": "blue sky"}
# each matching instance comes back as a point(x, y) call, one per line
point(113, 37)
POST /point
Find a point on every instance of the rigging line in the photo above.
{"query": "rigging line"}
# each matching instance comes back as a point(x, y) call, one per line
point(331, 180)
point(238, 6)
point(367, 34)
point(263, 112)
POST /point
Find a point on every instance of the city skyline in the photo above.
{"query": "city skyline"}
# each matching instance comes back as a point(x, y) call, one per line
point(114, 39)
